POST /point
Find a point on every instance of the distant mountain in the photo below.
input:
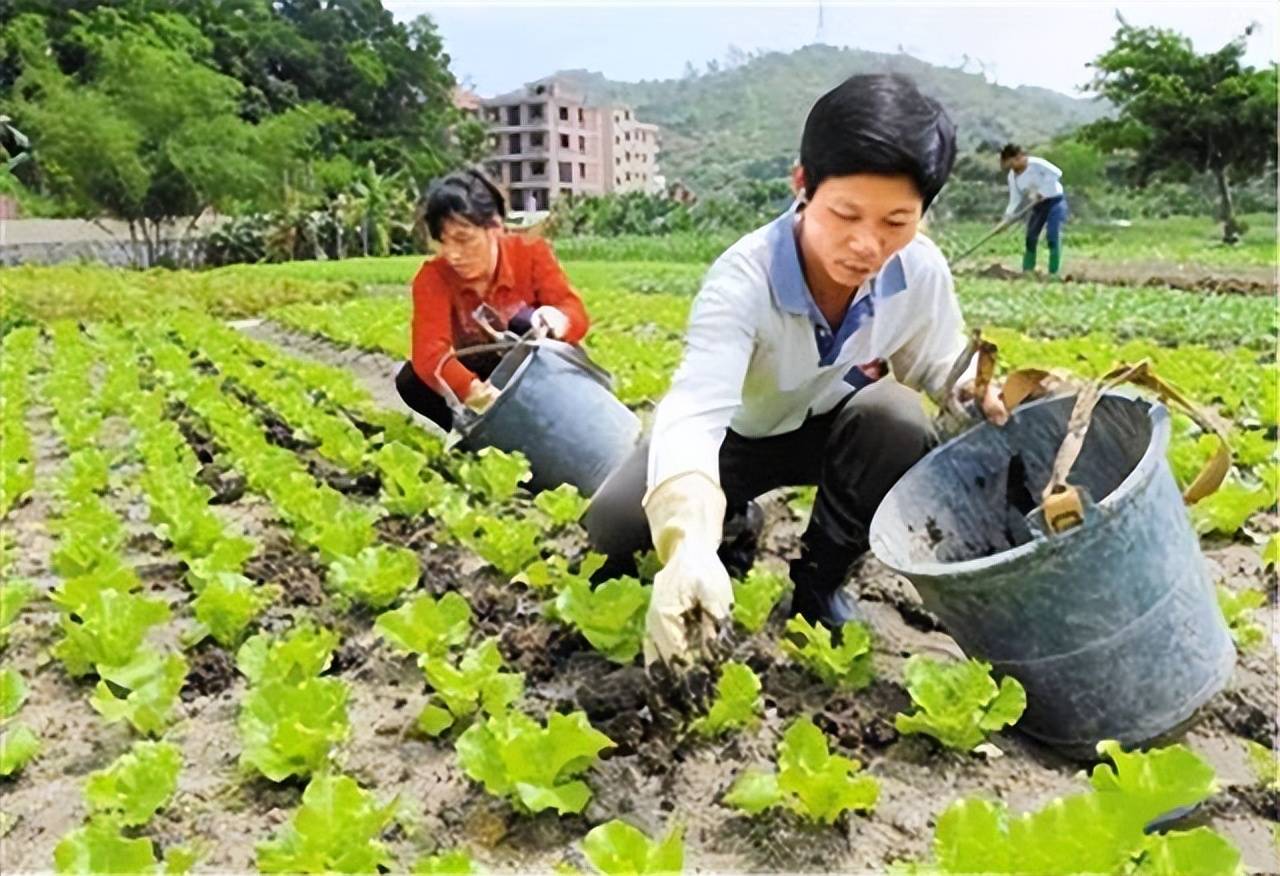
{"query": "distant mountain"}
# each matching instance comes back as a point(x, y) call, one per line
point(745, 121)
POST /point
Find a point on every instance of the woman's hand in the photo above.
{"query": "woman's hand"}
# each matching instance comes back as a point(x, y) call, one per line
point(481, 395)
point(548, 320)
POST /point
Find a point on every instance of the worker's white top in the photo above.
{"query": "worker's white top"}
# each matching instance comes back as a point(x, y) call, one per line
point(1040, 178)
point(760, 357)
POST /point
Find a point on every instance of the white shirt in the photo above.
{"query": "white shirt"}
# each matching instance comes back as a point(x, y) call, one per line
point(1040, 178)
point(753, 356)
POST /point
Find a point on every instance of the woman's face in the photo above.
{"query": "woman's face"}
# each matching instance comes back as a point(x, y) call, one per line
point(471, 250)
point(853, 224)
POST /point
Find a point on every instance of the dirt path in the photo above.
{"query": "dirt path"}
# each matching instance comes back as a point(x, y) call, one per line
point(1240, 280)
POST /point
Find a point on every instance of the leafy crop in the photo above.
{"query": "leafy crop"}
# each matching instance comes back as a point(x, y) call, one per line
point(478, 682)
point(289, 719)
point(507, 545)
point(810, 781)
point(959, 703)
point(1237, 608)
point(227, 604)
point(142, 693)
point(13, 692)
point(847, 665)
point(1100, 831)
point(138, 784)
point(615, 848)
point(533, 766)
point(445, 864)
point(755, 596)
point(426, 625)
point(610, 616)
point(15, 593)
point(563, 505)
point(737, 702)
point(494, 475)
point(335, 830)
point(18, 746)
point(375, 577)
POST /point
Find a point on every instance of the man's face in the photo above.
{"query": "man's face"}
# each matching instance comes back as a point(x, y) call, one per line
point(853, 224)
point(471, 250)
point(1017, 164)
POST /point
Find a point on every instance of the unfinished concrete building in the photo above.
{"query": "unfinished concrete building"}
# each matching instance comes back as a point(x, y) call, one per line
point(548, 140)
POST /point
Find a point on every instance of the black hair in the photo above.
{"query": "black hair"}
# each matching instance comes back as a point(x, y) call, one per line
point(878, 123)
point(467, 194)
point(1010, 150)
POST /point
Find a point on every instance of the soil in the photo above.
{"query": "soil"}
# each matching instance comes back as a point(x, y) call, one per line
point(656, 772)
point(1237, 280)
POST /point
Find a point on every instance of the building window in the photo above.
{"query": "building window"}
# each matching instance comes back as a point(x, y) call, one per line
point(617, 162)
point(566, 171)
point(537, 141)
point(517, 171)
point(580, 116)
point(564, 141)
point(628, 157)
point(513, 144)
point(538, 168)
point(628, 176)
point(513, 115)
point(564, 114)
point(535, 112)
point(628, 115)
point(616, 139)
point(582, 144)
point(582, 169)
point(566, 193)
point(617, 180)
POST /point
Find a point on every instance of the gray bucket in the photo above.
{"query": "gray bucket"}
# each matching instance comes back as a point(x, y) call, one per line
point(1112, 626)
point(558, 409)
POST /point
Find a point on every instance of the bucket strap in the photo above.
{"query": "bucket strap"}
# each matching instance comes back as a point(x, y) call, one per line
point(1062, 504)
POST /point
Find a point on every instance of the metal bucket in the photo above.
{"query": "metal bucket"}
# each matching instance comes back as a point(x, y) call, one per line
point(558, 409)
point(1112, 626)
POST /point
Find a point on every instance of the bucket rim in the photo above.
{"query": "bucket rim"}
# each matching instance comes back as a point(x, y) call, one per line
point(1144, 469)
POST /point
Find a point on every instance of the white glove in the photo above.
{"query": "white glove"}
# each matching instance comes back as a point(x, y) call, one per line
point(686, 518)
point(550, 320)
point(481, 395)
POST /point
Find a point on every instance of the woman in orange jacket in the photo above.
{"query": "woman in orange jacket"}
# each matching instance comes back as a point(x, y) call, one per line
point(510, 281)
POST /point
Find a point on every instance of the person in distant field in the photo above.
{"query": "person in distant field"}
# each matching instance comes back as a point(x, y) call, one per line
point(510, 281)
point(807, 349)
point(1032, 179)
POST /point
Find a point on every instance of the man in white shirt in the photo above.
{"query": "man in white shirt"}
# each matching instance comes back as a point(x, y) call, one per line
point(1033, 179)
point(806, 345)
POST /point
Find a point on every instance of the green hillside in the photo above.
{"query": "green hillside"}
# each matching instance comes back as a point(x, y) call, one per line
point(744, 121)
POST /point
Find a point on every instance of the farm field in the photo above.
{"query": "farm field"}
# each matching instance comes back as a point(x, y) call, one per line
point(256, 617)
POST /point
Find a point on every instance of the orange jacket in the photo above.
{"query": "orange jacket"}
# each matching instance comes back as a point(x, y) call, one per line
point(528, 275)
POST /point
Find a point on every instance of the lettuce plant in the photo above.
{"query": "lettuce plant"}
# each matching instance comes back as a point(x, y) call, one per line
point(959, 703)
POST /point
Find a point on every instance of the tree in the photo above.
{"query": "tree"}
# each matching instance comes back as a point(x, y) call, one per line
point(1179, 110)
point(145, 132)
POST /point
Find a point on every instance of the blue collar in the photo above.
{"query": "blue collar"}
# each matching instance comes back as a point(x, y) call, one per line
point(786, 276)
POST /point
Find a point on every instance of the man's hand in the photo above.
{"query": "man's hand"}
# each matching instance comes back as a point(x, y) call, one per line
point(551, 321)
point(686, 519)
point(693, 580)
point(481, 395)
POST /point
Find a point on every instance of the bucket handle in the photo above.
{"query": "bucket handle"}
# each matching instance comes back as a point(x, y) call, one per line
point(1062, 505)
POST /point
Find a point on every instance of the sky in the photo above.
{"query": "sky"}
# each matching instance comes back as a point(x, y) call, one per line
point(498, 46)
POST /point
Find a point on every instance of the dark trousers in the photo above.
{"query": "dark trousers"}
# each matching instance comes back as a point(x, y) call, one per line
point(1048, 216)
point(853, 454)
point(426, 401)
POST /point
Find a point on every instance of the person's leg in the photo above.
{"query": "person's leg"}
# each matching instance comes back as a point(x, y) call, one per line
point(1053, 234)
point(878, 435)
point(616, 524)
point(422, 398)
point(1035, 222)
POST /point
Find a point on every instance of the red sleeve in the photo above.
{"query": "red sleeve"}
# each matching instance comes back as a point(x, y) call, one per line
point(551, 286)
point(433, 335)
